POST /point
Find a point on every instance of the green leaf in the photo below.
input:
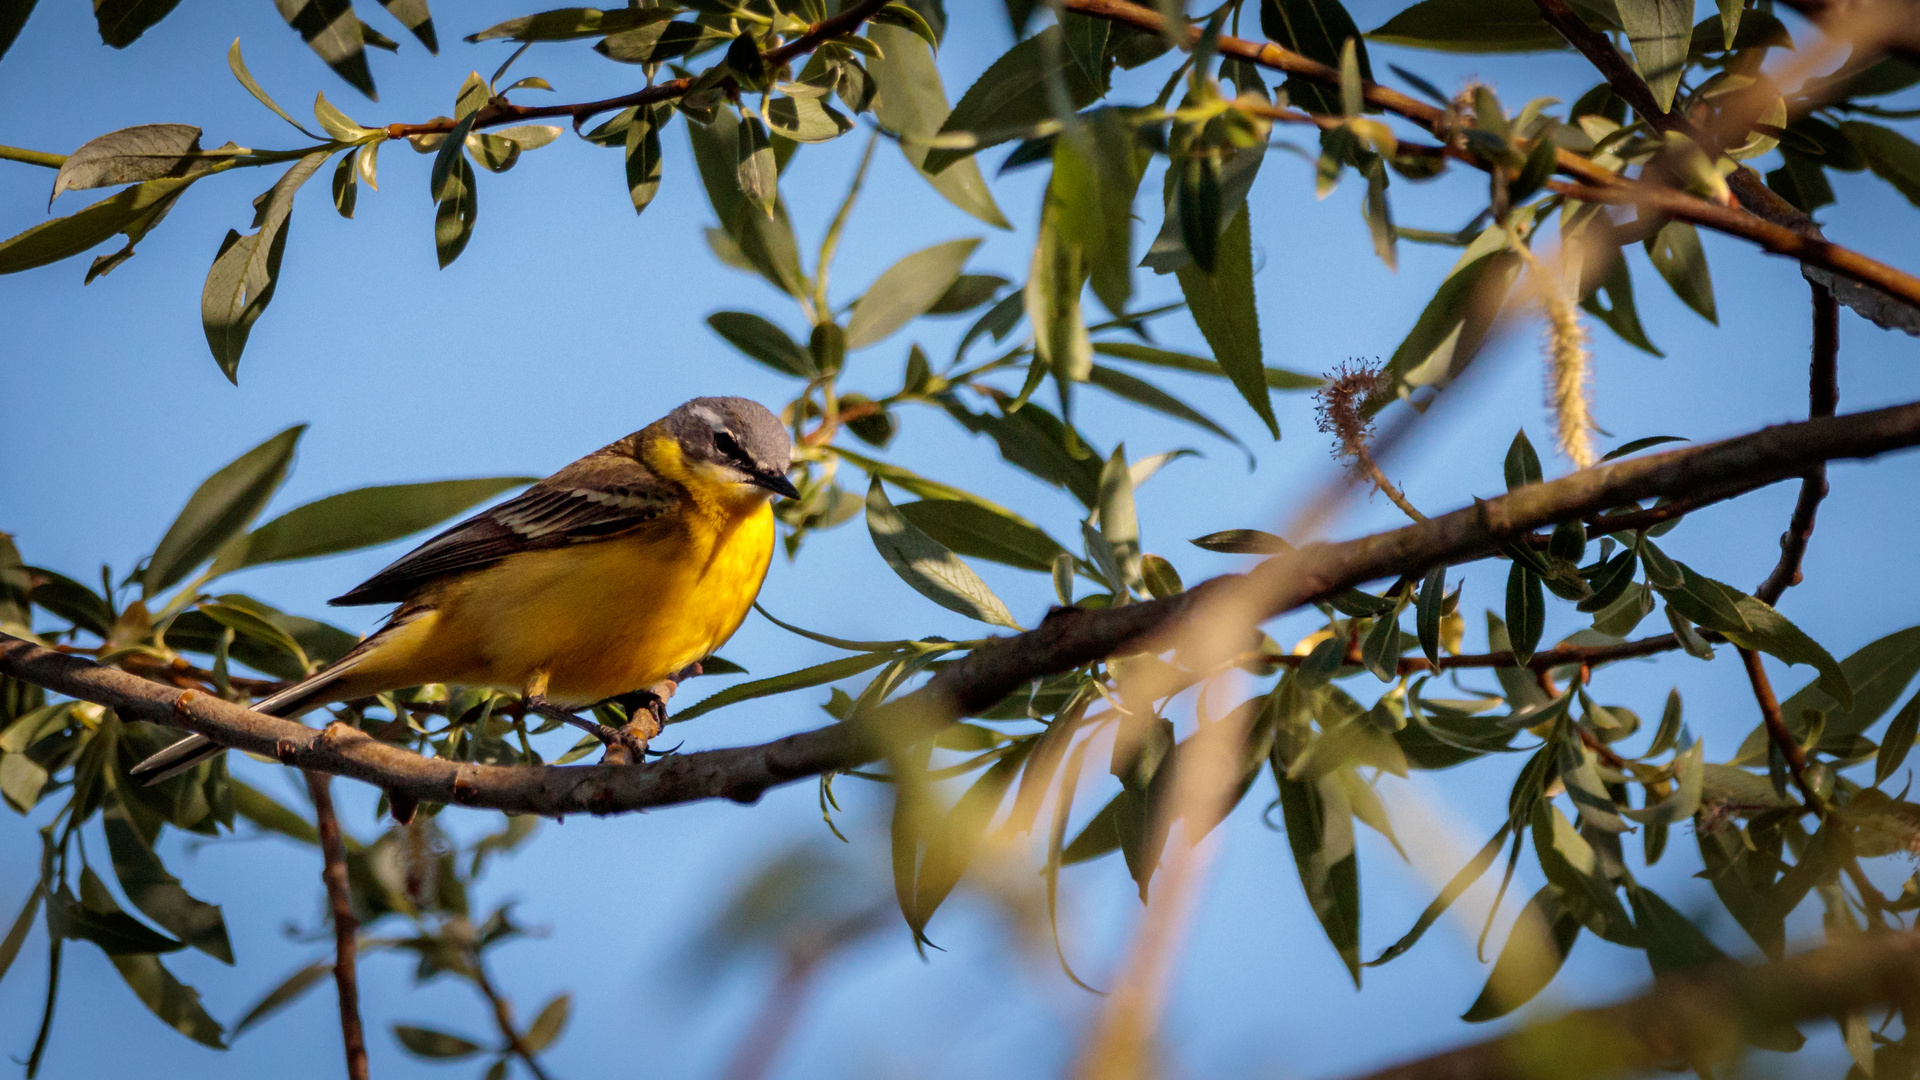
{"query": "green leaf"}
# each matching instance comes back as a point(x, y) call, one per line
point(1894, 746)
point(1011, 96)
point(957, 836)
point(1459, 884)
point(644, 160)
point(1676, 253)
point(967, 292)
point(130, 155)
point(132, 212)
point(817, 675)
point(1147, 395)
point(1689, 774)
point(1536, 948)
point(413, 15)
point(1523, 463)
point(806, 119)
point(1319, 826)
point(758, 175)
point(238, 66)
point(284, 994)
point(764, 243)
point(1526, 612)
point(258, 807)
point(932, 570)
point(911, 102)
point(567, 24)
point(548, 1024)
point(1454, 324)
point(1169, 252)
point(970, 529)
point(365, 517)
point(457, 209)
point(1317, 29)
point(1223, 307)
point(1055, 281)
point(241, 281)
point(1892, 156)
point(103, 923)
point(1659, 31)
point(1119, 522)
point(175, 1003)
point(1620, 314)
point(906, 290)
point(762, 340)
point(1878, 674)
point(430, 1043)
point(1470, 26)
point(1674, 945)
point(250, 624)
point(224, 504)
point(332, 31)
point(1277, 378)
point(1772, 633)
point(1097, 837)
point(159, 894)
point(22, 925)
point(121, 22)
point(1096, 173)
point(1428, 613)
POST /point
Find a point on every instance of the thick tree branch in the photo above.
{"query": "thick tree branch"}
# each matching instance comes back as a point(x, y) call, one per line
point(1068, 638)
point(1699, 1017)
point(340, 903)
point(1823, 396)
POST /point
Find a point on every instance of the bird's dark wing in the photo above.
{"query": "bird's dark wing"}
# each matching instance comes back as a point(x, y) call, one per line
point(602, 495)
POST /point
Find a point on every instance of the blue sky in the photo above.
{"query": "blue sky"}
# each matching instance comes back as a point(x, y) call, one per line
point(569, 322)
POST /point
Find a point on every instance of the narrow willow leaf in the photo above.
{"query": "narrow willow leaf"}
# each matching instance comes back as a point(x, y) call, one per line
point(241, 281)
point(1523, 463)
point(1536, 948)
point(1317, 29)
point(1674, 945)
point(159, 895)
point(1892, 156)
point(454, 216)
point(333, 32)
point(1470, 26)
point(130, 155)
point(1011, 96)
point(643, 156)
point(413, 15)
point(1223, 307)
point(22, 925)
point(132, 212)
point(366, 517)
point(224, 504)
point(1319, 826)
point(1277, 378)
point(906, 290)
point(1898, 741)
point(817, 675)
point(284, 994)
point(548, 1023)
point(121, 22)
point(910, 101)
point(1147, 395)
point(970, 529)
point(1454, 324)
point(239, 68)
point(1428, 613)
point(1677, 254)
point(1526, 612)
point(932, 570)
point(1055, 280)
point(1119, 522)
point(956, 837)
point(567, 24)
point(1455, 888)
point(434, 1044)
point(1689, 774)
point(762, 340)
point(1659, 32)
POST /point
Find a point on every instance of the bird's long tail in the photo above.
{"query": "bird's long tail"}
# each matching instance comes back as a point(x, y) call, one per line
point(306, 694)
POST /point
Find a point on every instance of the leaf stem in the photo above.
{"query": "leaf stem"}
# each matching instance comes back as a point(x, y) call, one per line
point(32, 157)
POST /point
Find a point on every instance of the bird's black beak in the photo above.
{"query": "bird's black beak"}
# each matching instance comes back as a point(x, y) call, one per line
point(778, 484)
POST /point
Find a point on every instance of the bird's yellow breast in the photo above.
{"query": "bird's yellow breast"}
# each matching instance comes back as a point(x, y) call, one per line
point(598, 619)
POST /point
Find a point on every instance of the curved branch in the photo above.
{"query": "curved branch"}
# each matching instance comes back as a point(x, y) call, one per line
point(346, 928)
point(1823, 396)
point(1067, 639)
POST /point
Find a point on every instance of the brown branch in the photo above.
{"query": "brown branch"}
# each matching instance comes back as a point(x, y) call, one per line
point(503, 1019)
point(1702, 1016)
point(1777, 219)
point(1067, 639)
point(1777, 733)
point(1823, 396)
point(500, 111)
point(1545, 660)
point(345, 926)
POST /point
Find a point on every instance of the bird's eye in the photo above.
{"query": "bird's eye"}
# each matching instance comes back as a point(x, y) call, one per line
point(729, 446)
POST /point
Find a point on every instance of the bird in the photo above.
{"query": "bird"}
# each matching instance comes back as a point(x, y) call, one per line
point(614, 573)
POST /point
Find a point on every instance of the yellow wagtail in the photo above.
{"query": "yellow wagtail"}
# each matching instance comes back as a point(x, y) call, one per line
point(610, 575)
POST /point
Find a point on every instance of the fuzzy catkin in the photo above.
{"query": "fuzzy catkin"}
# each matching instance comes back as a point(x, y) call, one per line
point(1568, 363)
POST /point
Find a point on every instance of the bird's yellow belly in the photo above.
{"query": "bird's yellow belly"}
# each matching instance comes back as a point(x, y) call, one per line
point(597, 619)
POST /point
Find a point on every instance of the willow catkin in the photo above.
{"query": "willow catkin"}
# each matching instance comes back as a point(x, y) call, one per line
point(1568, 362)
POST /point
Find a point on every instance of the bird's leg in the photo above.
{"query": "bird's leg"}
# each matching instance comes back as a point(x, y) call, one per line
point(647, 709)
point(619, 743)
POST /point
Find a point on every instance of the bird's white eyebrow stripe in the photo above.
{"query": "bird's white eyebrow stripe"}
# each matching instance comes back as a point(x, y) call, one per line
point(711, 417)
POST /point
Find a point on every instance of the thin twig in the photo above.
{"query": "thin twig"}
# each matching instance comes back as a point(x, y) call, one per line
point(345, 926)
point(1777, 733)
point(32, 157)
point(1823, 396)
point(503, 1019)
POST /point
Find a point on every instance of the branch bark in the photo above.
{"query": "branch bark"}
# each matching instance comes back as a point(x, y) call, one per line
point(1823, 396)
point(1068, 638)
point(1698, 1017)
point(1891, 299)
point(345, 927)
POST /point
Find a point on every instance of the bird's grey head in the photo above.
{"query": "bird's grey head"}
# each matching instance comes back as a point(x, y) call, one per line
point(736, 437)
